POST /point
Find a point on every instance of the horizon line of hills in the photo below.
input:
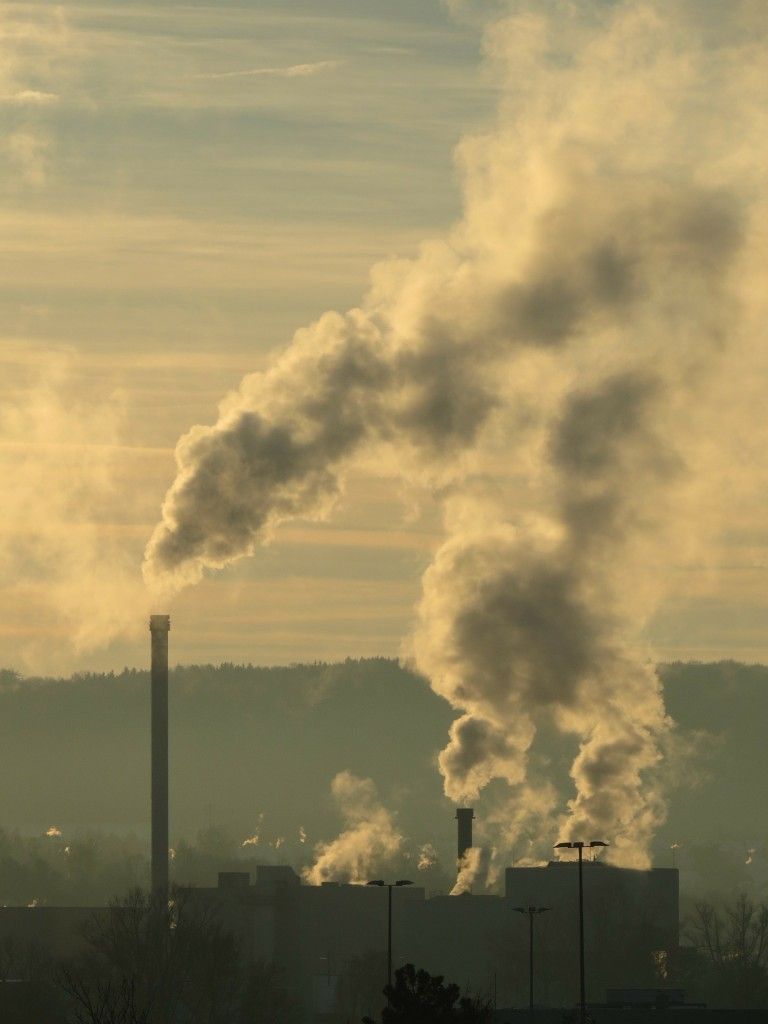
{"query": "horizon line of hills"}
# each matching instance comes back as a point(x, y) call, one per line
point(255, 748)
point(9, 676)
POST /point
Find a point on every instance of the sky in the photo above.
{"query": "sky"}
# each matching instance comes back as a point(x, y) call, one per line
point(183, 187)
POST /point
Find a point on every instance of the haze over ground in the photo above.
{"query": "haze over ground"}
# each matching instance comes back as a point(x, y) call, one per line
point(254, 753)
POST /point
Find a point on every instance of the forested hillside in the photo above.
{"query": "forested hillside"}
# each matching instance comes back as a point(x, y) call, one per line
point(254, 750)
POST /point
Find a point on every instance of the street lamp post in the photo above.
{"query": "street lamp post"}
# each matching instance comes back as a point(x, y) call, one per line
point(390, 886)
point(582, 987)
point(531, 912)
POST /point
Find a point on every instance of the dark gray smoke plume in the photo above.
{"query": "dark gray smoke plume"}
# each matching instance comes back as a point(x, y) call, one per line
point(553, 347)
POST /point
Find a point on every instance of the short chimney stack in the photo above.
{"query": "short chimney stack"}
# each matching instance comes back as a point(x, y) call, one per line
point(464, 816)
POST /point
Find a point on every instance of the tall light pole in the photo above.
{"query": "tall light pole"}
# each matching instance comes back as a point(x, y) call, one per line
point(582, 987)
point(390, 886)
point(531, 912)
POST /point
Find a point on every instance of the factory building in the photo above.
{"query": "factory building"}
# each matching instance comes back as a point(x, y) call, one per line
point(631, 924)
point(614, 897)
point(330, 941)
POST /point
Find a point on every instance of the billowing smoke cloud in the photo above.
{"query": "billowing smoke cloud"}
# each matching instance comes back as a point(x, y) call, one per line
point(513, 631)
point(422, 372)
point(370, 839)
point(543, 370)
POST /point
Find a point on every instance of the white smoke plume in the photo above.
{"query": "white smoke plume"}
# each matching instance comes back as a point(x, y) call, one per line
point(427, 857)
point(473, 870)
point(370, 838)
point(544, 370)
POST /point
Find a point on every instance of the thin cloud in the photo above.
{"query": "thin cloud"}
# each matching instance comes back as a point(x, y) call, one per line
point(30, 97)
point(292, 71)
point(27, 150)
point(398, 51)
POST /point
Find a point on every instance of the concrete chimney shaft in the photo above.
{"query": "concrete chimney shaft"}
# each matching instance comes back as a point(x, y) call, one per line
point(464, 816)
point(159, 627)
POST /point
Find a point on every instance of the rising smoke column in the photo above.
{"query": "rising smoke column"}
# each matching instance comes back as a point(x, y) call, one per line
point(520, 624)
point(370, 838)
point(530, 619)
point(473, 867)
point(563, 335)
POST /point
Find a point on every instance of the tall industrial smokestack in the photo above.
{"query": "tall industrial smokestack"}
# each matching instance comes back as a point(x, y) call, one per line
point(159, 627)
point(464, 816)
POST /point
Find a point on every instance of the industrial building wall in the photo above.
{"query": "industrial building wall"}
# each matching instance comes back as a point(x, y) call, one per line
point(331, 940)
point(478, 942)
point(344, 942)
point(647, 897)
point(629, 918)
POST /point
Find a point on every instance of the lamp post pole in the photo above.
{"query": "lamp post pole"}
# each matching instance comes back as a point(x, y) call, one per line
point(579, 846)
point(531, 912)
point(389, 935)
point(582, 983)
point(389, 885)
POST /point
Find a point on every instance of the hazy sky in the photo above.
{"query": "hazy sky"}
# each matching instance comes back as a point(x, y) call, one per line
point(183, 186)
